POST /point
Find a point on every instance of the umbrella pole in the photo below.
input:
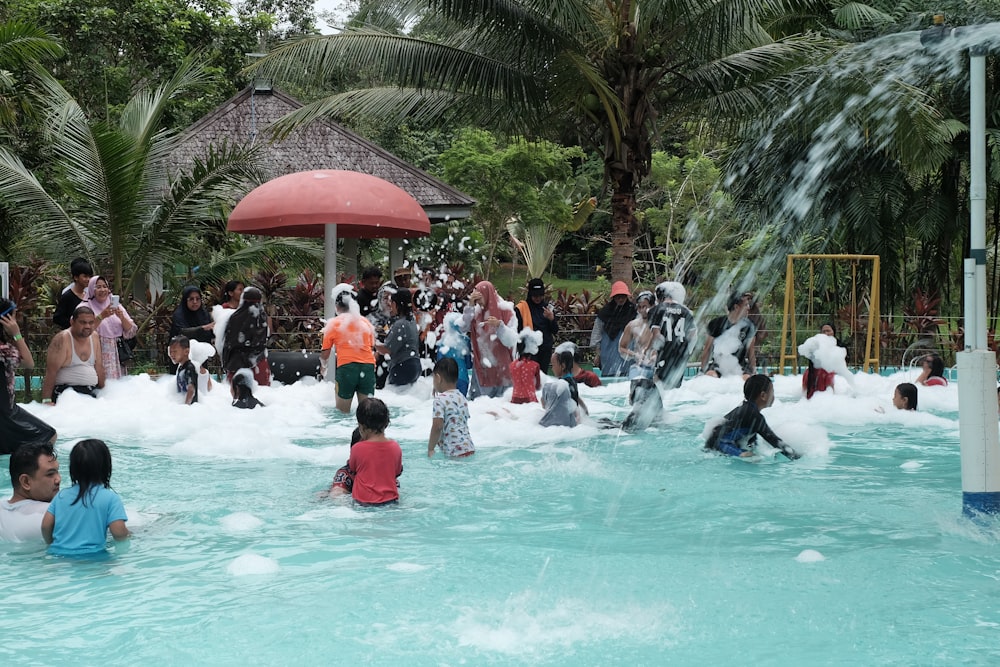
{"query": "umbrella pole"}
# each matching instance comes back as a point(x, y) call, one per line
point(329, 269)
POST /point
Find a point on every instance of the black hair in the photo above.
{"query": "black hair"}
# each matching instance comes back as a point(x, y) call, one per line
point(734, 300)
point(82, 310)
point(371, 272)
point(565, 359)
point(755, 385)
point(181, 340)
point(937, 365)
point(343, 299)
point(89, 465)
point(908, 390)
point(447, 368)
point(24, 460)
point(227, 291)
point(356, 436)
point(831, 325)
point(80, 266)
point(373, 415)
point(252, 294)
point(521, 353)
point(403, 298)
point(244, 391)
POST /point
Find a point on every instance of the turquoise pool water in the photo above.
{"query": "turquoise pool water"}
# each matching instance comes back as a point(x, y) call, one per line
point(550, 546)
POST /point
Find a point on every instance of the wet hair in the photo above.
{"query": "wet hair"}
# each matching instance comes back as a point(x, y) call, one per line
point(646, 296)
point(908, 390)
point(80, 266)
point(183, 341)
point(252, 294)
point(937, 365)
point(344, 298)
point(24, 460)
point(565, 359)
point(403, 298)
point(89, 465)
point(227, 291)
point(734, 300)
point(521, 354)
point(447, 368)
point(371, 272)
point(755, 385)
point(373, 415)
point(244, 390)
point(82, 310)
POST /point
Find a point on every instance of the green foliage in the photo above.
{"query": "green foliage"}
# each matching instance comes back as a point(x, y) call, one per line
point(508, 180)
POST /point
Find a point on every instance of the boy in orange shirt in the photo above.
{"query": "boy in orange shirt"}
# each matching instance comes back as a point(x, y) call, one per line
point(353, 337)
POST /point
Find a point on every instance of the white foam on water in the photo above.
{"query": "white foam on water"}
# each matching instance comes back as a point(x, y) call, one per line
point(912, 465)
point(810, 556)
point(252, 564)
point(240, 522)
point(406, 567)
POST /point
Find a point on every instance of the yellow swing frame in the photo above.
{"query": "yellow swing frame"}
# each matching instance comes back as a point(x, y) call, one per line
point(790, 356)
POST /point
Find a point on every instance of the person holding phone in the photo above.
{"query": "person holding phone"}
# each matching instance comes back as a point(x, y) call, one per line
point(537, 314)
point(17, 425)
point(113, 322)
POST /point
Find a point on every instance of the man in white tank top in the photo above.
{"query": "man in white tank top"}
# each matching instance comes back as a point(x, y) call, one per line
point(74, 358)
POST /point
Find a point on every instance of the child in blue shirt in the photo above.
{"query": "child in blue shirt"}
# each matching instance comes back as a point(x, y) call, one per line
point(79, 518)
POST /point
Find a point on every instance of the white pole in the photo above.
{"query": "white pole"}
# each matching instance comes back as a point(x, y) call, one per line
point(5, 280)
point(977, 400)
point(329, 269)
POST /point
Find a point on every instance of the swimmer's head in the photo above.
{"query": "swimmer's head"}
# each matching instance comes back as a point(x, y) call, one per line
point(373, 416)
point(905, 396)
point(828, 329)
point(935, 363)
point(759, 389)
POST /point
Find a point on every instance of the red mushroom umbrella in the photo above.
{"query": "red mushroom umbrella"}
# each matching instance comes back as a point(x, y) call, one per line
point(329, 203)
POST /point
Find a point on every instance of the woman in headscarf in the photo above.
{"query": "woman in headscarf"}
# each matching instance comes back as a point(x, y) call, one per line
point(113, 322)
point(245, 339)
point(608, 327)
point(492, 326)
point(190, 318)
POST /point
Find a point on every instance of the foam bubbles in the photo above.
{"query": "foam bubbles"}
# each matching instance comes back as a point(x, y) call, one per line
point(251, 564)
point(810, 556)
point(240, 522)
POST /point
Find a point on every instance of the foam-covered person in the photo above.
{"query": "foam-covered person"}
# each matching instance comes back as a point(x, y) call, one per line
point(35, 479)
point(199, 354)
point(736, 434)
point(73, 359)
point(580, 374)
point(492, 327)
point(242, 385)
point(932, 371)
point(190, 318)
point(353, 338)
point(672, 332)
point(245, 339)
point(826, 360)
point(402, 342)
point(730, 343)
point(537, 314)
point(454, 344)
point(609, 326)
point(113, 322)
point(560, 396)
point(17, 426)
point(81, 272)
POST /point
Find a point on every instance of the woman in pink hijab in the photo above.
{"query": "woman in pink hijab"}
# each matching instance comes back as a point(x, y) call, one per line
point(492, 326)
point(113, 321)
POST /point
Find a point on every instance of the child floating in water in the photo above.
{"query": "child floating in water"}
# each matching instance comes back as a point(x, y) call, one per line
point(737, 434)
point(450, 427)
point(560, 397)
point(905, 396)
point(79, 518)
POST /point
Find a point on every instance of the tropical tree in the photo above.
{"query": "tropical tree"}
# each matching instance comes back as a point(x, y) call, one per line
point(105, 192)
point(609, 72)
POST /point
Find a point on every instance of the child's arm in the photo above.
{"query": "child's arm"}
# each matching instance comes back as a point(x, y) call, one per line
point(190, 393)
point(48, 523)
point(437, 425)
point(119, 530)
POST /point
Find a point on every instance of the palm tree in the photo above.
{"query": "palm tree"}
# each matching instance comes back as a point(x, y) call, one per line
point(612, 71)
point(106, 193)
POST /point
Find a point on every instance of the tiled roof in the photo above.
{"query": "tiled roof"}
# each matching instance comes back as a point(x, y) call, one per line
point(323, 144)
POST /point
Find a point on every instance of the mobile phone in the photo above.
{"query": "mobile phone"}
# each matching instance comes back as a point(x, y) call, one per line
point(10, 309)
point(115, 300)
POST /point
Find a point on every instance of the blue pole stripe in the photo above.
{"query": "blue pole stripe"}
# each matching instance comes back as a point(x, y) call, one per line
point(980, 503)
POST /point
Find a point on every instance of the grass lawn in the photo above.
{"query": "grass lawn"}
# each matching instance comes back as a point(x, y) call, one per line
point(510, 280)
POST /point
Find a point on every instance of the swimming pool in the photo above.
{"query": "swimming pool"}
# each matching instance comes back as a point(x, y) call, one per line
point(550, 546)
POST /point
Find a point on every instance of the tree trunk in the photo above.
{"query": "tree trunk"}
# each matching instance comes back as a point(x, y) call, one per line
point(623, 225)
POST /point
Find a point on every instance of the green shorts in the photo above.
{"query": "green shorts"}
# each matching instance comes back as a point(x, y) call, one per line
point(355, 378)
